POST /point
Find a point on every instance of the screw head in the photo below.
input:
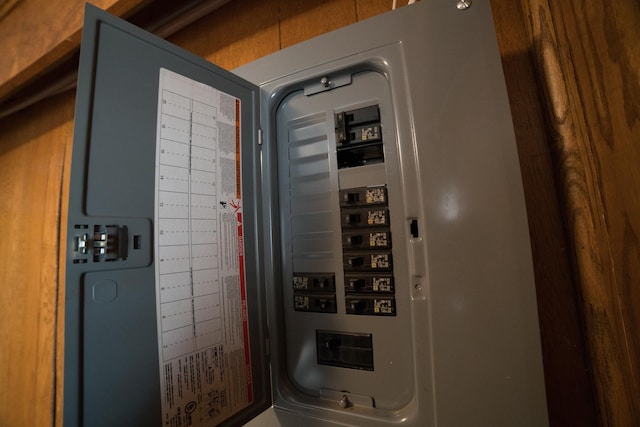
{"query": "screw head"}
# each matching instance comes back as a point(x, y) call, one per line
point(464, 4)
point(344, 402)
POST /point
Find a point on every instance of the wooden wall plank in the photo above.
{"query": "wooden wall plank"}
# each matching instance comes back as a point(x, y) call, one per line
point(36, 34)
point(588, 60)
point(303, 19)
point(32, 147)
point(245, 30)
point(58, 390)
point(368, 8)
point(568, 383)
point(603, 44)
point(237, 33)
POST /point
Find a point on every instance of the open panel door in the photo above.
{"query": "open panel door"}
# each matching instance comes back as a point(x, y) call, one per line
point(162, 258)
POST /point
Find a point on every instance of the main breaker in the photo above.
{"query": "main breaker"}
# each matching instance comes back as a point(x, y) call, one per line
point(334, 234)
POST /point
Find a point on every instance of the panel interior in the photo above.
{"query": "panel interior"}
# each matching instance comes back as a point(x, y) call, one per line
point(345, 286)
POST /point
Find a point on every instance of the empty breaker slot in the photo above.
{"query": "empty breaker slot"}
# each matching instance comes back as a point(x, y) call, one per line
point(359, 137)
point(360, 156)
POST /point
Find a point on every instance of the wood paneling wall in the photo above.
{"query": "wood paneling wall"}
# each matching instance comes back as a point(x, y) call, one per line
point(34, 151)
point(36, 35)
point(587, 64)
point(572, 71)
point(568, 381)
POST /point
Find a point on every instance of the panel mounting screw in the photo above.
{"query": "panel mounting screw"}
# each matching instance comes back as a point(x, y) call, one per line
point(325, 82)
point(464, 4)
point(344, 402)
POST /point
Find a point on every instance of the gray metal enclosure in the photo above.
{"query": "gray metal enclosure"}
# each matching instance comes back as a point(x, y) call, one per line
point(385, 273)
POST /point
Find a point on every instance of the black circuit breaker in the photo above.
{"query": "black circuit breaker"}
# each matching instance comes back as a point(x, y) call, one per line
point(359, 137)
point(366, 244)
point(314, 292)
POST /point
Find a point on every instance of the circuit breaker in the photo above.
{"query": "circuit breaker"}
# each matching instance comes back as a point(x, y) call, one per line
point(334, 234)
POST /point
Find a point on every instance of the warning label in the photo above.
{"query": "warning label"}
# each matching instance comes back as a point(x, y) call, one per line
point(198, 391)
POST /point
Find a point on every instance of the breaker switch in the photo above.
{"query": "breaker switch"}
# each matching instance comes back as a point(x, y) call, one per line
point(358, 306)
point(371, 305)
point(357, 284)
point(315, 303)
point(349, 197)
point(320, 283)
point(323, 303)
point(362, 196)
point(352, 218)
point(369, 283)
point(366, 239)
point(369, 261)
point(355, 261)
point(310, 282)
point(354, 240)
point(365, 217)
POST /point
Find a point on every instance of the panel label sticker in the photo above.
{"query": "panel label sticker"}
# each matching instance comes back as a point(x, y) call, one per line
point(203, 335)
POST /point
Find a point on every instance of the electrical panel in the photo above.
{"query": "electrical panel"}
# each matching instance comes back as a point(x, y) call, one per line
point(325, 236)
